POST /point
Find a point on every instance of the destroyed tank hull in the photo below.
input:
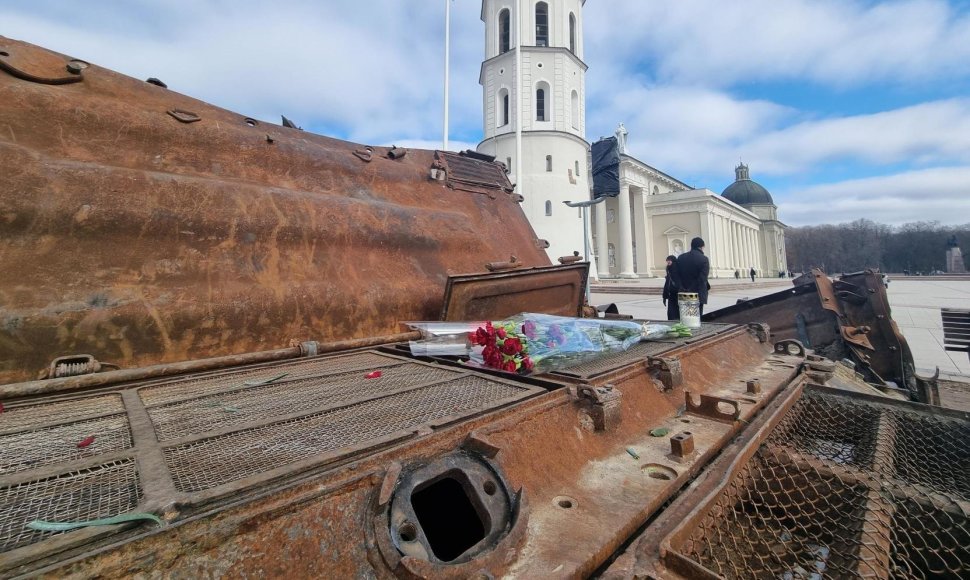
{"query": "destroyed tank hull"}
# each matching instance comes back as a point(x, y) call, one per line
point(148, 228)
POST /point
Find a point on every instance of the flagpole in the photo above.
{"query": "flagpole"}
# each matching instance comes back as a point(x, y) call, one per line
point(518, 98)
point(444, 146)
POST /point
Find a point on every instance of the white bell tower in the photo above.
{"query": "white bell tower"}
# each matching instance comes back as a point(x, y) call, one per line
point(549, 112)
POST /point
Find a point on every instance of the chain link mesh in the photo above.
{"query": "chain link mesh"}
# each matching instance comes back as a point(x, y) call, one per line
point(32, 416)
point(179, 390)
point(253, 403)
point(99, 492)
point(214, 461)
point(845, 488)
point(49, 445)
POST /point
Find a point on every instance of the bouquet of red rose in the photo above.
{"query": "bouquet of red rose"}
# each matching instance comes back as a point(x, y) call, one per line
point(529, 342)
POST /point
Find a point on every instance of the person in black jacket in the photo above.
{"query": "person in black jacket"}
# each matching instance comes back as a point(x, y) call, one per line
point(671, 288)
point(752, 273)
point(692, 270)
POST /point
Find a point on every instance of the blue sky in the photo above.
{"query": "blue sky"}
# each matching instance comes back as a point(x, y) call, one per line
point(843, 109)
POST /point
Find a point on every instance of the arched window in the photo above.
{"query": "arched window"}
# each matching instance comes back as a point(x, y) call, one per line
point(542, 104)
point(503, 104)
point(548, 207)
point(577, 168)
point(656, 190)
point(508, 165)
point(548, 162)
point(572, 33)
point(503, 31)
point(542, 24)
point(575, 109)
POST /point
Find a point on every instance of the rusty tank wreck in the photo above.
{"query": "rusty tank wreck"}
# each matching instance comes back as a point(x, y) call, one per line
point(192, 301)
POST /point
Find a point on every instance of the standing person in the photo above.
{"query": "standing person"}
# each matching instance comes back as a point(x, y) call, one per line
point(692, 270)
point(671, 288)
point(737, 275)
point(752, 273)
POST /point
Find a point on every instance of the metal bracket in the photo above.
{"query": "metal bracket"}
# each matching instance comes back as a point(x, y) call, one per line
point(819, 368)
point(681, 447)
point(396, 152)
point(183, 116)
point(760, 329)
point(709, 408)
point(72, 366)
point(667, 371)
point(790, 347)
point(309, 348)
point(499, 266)
point(480, 444)
point(365, 154)
point(857, 336)
point(602, 404)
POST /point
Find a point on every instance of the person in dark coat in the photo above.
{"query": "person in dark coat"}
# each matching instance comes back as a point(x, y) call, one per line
point(752, 273)
point(692, 270)
point(671, 288)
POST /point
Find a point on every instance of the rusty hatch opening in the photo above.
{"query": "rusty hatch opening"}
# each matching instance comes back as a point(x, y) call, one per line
point(448, 515)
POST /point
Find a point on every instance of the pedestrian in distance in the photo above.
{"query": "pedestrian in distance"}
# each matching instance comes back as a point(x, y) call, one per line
point(752, 273)
point(671, 288)
point(737, 274)
point(692, 271)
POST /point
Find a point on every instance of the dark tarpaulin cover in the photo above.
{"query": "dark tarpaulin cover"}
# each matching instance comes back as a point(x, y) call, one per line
point(606, 168)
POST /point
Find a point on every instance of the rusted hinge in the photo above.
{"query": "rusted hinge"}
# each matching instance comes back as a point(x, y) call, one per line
point(499, 266)
point(601, 404)
point(667, 371)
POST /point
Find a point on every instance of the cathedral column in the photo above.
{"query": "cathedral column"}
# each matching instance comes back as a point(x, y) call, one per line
point(750, 244)
point(746, 240)
point(602, 242)
point(625, 247)
point(735, 248)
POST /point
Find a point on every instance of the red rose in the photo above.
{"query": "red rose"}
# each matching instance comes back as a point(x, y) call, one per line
point(512, 346)
point(492, 356)
point(509, 366)
point(500, 333)
point(527, 364)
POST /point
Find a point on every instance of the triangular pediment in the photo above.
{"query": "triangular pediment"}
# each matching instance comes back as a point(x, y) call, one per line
point(675, 231)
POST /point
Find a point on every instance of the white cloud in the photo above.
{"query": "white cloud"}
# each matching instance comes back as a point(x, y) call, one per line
point(939, 194)
point(358, 71)
point(838, 42)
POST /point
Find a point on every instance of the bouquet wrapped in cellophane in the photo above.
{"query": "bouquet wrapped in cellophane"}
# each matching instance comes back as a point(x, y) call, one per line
point(535, 343)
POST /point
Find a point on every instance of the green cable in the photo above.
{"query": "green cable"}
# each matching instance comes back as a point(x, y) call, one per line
point(120, 519)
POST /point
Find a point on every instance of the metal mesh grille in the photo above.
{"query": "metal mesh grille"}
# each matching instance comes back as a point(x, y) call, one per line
point(253, 403)
point(21, 418)
point(31, 449)
point(641, 351)
point(210, 462)
point(185, 389)
point(100, 492)
point(845, 488)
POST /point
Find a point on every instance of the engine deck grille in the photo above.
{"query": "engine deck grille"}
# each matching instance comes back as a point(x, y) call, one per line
point(845, 488)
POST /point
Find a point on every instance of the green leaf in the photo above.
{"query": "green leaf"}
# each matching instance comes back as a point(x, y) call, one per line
point(659, 432)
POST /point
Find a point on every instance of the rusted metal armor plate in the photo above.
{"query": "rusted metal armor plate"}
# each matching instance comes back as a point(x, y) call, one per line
point(555, 290)
point(220, 433)
point(139, 239)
